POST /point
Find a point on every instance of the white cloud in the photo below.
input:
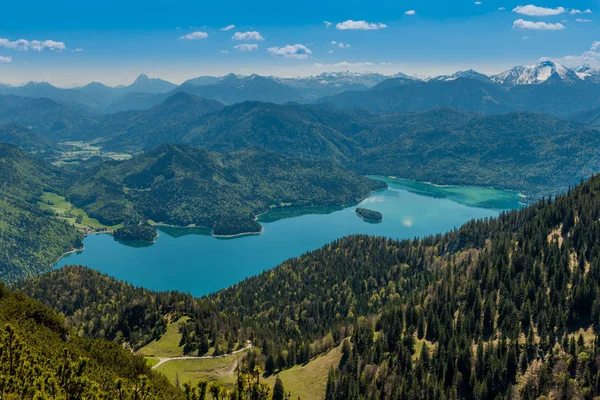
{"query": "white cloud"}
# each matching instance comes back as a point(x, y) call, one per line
point(359, 25)
point(77, 50)
point(247, 36)
point(343, 64)
point(501, 8)
point(574, 11)
point(246, 47)
point(327, 24)
point(526, 38)
point(592, 57)
point(583, 20)
point(478, 3)
point(297, 51)
point(341, 45)
point(228, 27)
point(542, 26)
point(194, 36)
point(5, 60)
point(534, 11)
point(410, 12)
point(35, 45)
point(331, 51)
point(224, 51)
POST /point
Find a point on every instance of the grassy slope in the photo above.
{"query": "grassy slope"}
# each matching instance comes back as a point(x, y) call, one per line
point(221, 369)
point(309, 381)
point(65, 210)
point(167, 345)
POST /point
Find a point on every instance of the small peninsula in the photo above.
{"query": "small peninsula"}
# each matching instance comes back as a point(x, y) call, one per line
point(369, 215)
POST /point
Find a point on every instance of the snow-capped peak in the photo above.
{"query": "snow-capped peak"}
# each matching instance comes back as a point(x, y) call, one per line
point(470, 74)
point(536, 74)
point(587, 73)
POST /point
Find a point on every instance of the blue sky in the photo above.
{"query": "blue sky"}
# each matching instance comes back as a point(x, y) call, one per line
point(112, 41)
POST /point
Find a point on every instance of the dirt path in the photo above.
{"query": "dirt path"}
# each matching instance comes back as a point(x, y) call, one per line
point(162, 360)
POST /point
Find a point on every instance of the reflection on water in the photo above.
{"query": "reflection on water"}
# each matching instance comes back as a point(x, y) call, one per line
point(190, 260)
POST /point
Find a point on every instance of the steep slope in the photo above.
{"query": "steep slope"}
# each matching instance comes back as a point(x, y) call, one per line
point(490, 309)
point(183, 185)
point(31, 240)
point(42, 358)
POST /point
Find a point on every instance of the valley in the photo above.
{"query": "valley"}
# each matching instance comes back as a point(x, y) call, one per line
point(410, 209)
point(344, 235)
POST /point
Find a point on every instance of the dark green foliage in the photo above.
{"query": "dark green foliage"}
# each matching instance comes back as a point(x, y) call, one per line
point(473, 288)
point(136, 231)
point(369, 215)
point(40, 358)
point(533, 153)
point(31, 240)
point(184, 185)
point(278, 389)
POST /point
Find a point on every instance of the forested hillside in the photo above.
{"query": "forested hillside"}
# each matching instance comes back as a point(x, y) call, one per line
point(27, 140)
point(185, 185)
point(41, 359)
point(533, 153)
point(491, 309)
point(31, 240)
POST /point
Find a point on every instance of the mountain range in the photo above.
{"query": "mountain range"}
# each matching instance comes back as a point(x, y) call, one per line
point(521, 88)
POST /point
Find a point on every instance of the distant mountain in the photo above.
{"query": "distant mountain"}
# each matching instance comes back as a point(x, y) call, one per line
point(546, 87)
point(401, 95)
point(229, 89)
point(547, 71)
point(145, 84)
point(588, 74)
point(331, 83)
point(201, 81)
point(26, 139)
point(168, 122)
point(104, 94)
point(135, 101)
point(233, 89)
point(72, 97)
point(47, 117)
point(468, 74)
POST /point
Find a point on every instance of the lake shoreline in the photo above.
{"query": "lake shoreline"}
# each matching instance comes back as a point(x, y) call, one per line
point(445, 186)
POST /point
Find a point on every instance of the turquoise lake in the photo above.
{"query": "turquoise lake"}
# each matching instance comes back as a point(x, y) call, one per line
point(190, 260)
